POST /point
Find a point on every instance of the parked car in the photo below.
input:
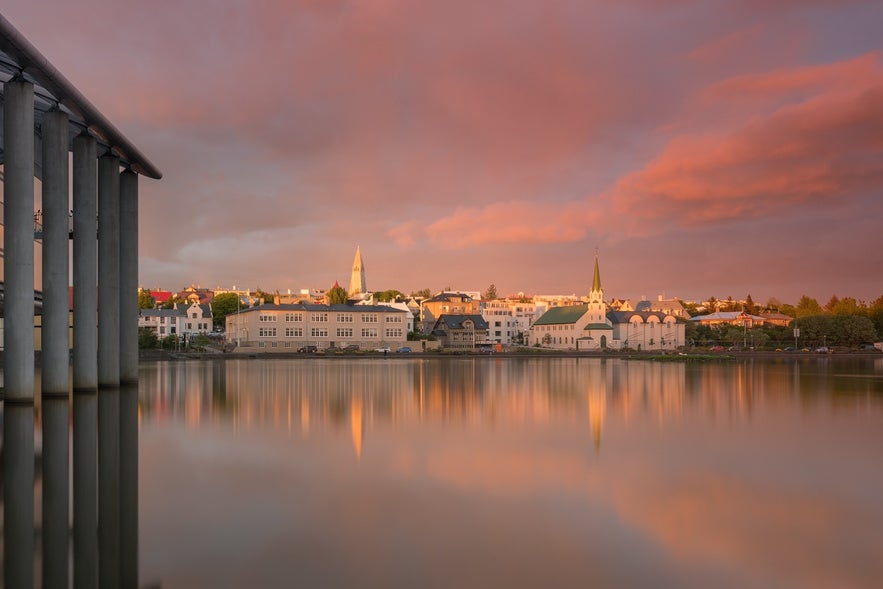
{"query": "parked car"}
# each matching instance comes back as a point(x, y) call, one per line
point(716, 348)
point(384, 350)
point(822, 350)
point(403, 350)
point(352, 348)
point(307, 349)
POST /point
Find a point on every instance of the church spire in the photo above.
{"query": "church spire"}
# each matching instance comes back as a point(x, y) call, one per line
point(357, 280)
point(596, 279)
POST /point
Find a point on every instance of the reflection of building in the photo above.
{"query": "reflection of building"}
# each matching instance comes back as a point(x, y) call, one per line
point(591, 326)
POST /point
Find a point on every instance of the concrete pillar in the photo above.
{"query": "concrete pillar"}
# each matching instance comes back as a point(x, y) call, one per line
point(55, 351)
point(18, 495)
point(18, 239)
point(128, 277)
point(129, 486)
point(55, 491)
point(85, 491)
point(109, 271)
point(85, 264)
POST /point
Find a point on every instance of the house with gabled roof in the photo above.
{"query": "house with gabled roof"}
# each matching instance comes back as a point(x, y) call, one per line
point(593, 326)
point(463, 332)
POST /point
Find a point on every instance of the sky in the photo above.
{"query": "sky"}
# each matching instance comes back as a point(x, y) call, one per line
point(701, 147)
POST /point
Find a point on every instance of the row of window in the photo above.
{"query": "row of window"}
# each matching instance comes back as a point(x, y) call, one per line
point(322, 317)
point(341, 332)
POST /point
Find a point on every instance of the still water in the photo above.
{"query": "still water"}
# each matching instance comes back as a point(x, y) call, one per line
point(500, 472)
point(461, 472)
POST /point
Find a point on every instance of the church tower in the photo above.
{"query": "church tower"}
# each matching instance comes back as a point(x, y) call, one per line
point(357, 280)
point(597, 308)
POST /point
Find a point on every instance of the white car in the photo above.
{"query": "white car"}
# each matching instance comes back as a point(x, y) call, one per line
point(383, 350)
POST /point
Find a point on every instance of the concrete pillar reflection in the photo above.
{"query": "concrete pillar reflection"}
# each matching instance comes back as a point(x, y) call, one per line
point(55, 350)
point(85, 476)
point(128, 277)
point(108, 487)
point(18, 495)
point(55, 491)
point(85, 270)
point(129, 486)
point(109, 271)
point(18, 238)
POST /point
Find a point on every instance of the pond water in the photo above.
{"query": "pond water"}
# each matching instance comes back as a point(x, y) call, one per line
point(492, 472)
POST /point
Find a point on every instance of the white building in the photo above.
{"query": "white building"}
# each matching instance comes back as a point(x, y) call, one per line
point(182, 320)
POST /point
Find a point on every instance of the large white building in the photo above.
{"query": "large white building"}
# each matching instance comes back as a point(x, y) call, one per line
point(287, 328)
point(592, 326)
point(182, 320)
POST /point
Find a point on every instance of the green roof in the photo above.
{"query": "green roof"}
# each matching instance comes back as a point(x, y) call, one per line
point(562, 315)
point(592, 326)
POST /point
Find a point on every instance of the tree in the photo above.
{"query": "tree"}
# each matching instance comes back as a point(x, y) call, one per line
point(224, 304)
point(336, 296)
point(145, 299)
point(260, 294)
point(147, 338)
point(750, 307)
point(423, 294)
point(491, 293)
point(388, 296)
point(172, 301)
point(773, 304)
point(807, 307)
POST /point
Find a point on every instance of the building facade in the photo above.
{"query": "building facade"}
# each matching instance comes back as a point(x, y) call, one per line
point(593, 326)
point(446, 303)
point(287, 328)
point(461, 332)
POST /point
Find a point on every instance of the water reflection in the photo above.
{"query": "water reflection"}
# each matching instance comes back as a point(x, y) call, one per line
point(101, 549)
point(511, 472)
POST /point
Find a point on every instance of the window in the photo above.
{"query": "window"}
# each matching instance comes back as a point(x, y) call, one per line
point(294, 317)
point(267, 317)
point(394, 318)
point(369, 318)
point(344, 332)
point(369, 332)
point(193, 315)
point(395, 332)
point(162, 329)
point(344, 317)
point(294, 332)
point(189, 326)
point(320, 317)
point(267, 332)
point(319, 331)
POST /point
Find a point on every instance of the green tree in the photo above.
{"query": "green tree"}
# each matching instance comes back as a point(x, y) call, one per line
point(388, 296)
point(147, 338)
point(847, 306)
point(260, 294)
point(750, 307)
point(336, 296)
point(172, 301)
point(852, 330)
point(491, 293)
point(807, 307)
point(875, 314)
point(423, 293)
point(224, 304)
point(145, 299)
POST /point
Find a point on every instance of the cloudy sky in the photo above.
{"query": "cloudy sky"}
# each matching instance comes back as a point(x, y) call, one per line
point(705, 147)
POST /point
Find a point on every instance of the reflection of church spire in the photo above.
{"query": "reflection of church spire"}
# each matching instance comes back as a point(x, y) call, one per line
point(357, 280)
point(356, 426)
point(597, 408)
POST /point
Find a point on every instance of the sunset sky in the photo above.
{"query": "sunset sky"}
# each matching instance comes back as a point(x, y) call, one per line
point(705, 147)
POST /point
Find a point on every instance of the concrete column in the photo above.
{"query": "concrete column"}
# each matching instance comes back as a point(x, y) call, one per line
point(129, 486)
point(109, 271)
point(18, 239)
point(18, 495)
point(56, 482)
point(85, 257)
point(85, 491)
point(55, 354)
point(128, 277)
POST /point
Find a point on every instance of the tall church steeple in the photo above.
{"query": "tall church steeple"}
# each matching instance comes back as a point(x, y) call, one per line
point(597, 293)
point(357, 280)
